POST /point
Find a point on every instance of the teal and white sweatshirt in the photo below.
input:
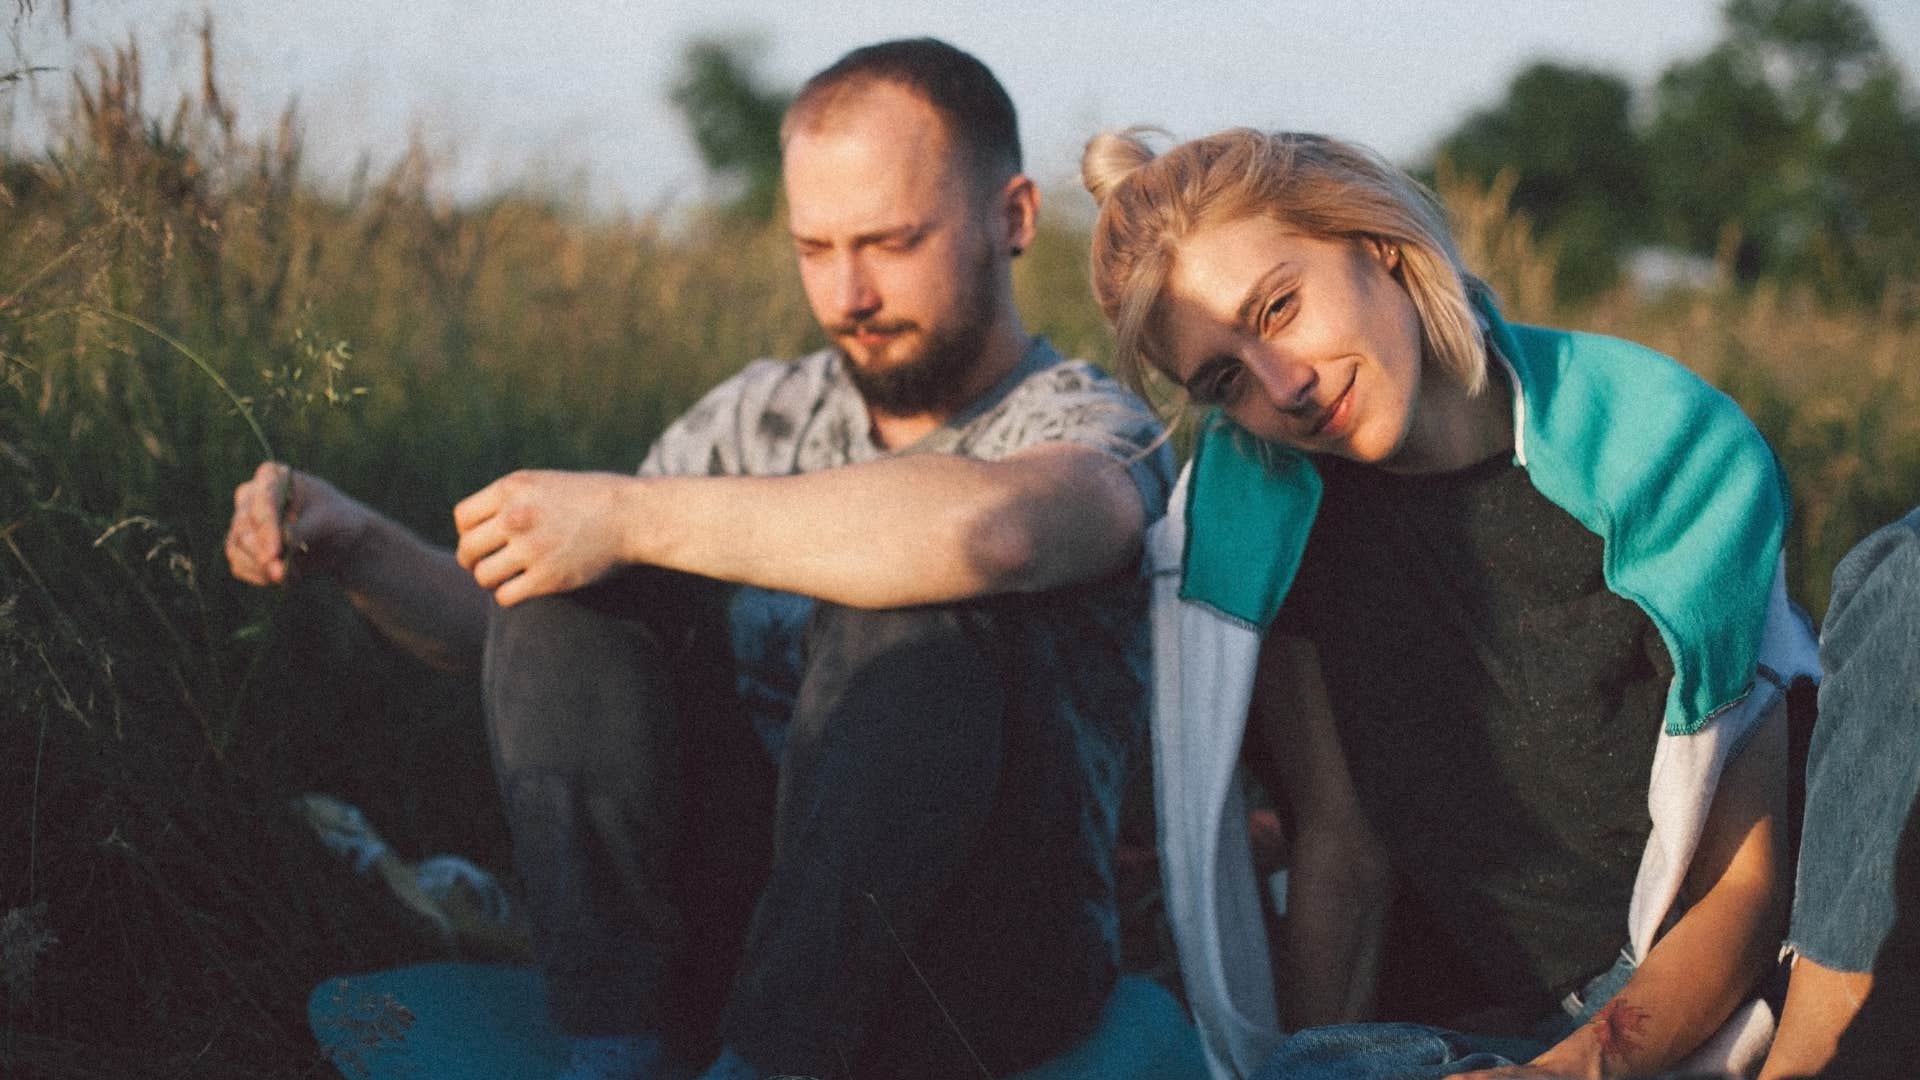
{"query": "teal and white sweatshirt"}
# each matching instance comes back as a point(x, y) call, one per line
point(1691, 508)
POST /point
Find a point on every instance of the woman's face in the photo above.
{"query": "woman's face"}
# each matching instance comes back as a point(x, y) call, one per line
point(1307, 342)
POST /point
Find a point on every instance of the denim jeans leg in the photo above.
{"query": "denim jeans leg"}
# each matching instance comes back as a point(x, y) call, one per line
point(1864, 765)
point(620, 755)
point(1389, 1051)
point(1402, 1051)
point(910, 811)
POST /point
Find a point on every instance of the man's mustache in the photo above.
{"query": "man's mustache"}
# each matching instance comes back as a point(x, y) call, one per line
point(852, 327)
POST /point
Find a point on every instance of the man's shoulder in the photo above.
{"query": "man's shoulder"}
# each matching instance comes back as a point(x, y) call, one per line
point(1044, 389)
point(1072, 387)
point(815, 369)
point(778, 388)
point(1072, 401)
point(753, 421)
point(1064, 374)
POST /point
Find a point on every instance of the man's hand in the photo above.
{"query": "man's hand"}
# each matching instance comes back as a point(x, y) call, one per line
point(285, 522)
point(531, 533)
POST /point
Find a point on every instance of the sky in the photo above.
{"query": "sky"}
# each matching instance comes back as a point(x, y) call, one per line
point(570, 96)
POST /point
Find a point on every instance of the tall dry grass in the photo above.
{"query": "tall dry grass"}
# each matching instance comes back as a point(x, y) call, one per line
point(161, 913)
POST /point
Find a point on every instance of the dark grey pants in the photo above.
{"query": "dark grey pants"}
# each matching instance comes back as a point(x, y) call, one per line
point(912, 891)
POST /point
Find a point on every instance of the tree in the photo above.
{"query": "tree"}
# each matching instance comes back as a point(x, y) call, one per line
point(1826, 45)
point(734, 119)
point(1792, 146)
point(1795, 136)
point(1581, 175)
point(1876, 159)
point(1716, 147)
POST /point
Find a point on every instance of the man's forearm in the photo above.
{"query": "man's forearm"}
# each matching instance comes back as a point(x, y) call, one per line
point(893, 533)
point(416, 595)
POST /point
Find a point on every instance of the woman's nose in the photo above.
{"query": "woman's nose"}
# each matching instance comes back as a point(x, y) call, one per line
point(1287, 380)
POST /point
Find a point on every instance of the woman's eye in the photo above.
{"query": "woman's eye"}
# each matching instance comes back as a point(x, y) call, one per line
point(1218, 387)
point(1277, 309)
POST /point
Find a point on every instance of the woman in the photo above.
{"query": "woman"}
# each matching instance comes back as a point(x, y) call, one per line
point(1498, 613)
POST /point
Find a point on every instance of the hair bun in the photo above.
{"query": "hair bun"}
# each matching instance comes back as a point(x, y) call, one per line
point(1112, 156)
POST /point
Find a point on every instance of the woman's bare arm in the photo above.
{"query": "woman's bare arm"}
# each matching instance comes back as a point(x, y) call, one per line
point(1338, 885)
point(1694, 977)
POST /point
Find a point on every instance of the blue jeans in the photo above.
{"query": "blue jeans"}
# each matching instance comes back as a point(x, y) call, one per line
point(1863, 769)
point(1419, 1052)
point(916, 866)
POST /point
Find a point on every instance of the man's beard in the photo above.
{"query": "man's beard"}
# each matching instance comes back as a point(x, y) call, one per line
point(936, 378)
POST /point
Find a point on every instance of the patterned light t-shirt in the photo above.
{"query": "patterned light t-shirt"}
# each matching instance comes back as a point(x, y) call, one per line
point(780, 418)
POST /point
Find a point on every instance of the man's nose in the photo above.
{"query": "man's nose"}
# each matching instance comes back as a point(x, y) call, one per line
point(854, 291)
point(1288, 380)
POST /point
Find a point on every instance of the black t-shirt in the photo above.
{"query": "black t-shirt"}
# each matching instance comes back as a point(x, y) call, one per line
point(1499, 710)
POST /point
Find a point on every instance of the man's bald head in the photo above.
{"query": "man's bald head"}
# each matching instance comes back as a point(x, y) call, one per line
point(978, 114)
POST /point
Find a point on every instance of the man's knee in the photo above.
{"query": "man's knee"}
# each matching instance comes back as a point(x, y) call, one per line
point(901, 670)
point(900, 711)
point(564, 684)
point(638, 614)
point(551, 635)
point(935, 633)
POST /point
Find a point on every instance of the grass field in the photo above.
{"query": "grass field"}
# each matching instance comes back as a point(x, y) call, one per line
point(166, 287)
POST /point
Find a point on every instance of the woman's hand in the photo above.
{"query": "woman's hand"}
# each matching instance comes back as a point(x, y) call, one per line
point(1515, 1073)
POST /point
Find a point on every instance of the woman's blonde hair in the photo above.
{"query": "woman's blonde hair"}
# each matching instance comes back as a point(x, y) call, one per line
point(1328, 189)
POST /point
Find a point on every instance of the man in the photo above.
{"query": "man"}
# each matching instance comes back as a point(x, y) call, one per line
point(950, 710)
point(1855, 936)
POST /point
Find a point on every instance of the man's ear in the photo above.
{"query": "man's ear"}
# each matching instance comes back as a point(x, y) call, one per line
point(1020, 203)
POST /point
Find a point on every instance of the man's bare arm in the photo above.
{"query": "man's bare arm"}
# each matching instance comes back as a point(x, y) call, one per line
point(916, 529)
point(414, 593)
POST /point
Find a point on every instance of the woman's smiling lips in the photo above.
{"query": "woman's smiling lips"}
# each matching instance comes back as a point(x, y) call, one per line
point(1333, 423)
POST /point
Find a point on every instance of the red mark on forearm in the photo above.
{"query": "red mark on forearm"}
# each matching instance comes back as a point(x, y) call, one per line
point(1618, 1027)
